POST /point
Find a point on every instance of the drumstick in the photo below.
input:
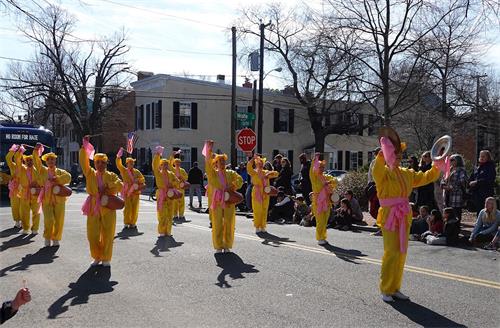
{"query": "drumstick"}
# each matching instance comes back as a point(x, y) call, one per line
point(25, 145)
point(25, 284)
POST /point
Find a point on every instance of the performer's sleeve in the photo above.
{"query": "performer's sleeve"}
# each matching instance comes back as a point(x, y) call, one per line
point(10, 162)
point(332, 181)
point(156, 165)
point(379, 168)
point(237, 180)
point(120, 167)
point(173, 179)
point(423, 178)
point(84, 163)
point(37, 162)
point(184, 175)
point(251, 171)
point(63, 177)
point(116, 184)
point(140, 178)
point(272, 174)
point(209, 169)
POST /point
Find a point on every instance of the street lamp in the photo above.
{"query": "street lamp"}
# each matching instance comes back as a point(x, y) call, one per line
point(277, 69)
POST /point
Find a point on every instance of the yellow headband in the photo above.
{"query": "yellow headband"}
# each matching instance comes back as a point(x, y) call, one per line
point(101, 157)
point(129, 160)
point(26, 157)
point(45, 157)
point(218, 157)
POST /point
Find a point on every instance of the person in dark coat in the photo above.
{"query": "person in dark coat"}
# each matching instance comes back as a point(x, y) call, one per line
point(425, 194)
point(482, 181)
point(305, 180)
point(195, 179)
point(285, 177)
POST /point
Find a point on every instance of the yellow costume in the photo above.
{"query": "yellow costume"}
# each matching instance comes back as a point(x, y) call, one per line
point(101, 221)
point(4, 178)
point(322, 187)
point(27, 177)
point(130, 178)
point(222, 214)
point(394, 186)
point(165, 180)
point(15, 200)
point(260, 199)
point(182, 176)
point(53, 206)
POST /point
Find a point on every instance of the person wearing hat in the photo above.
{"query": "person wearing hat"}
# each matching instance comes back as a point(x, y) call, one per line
point(166, 183)
point(260, 199)
point(133, 183)
point(53, 206)
point(394, 185)
point(15, 200)
point(28, 190)
point(323, 186)
point(182, 177)
point(221, 180)
point(101, 221)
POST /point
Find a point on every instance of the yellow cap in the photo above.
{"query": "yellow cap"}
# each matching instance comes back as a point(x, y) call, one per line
point(164, 161)
point(403, 146)
point(26, 157)
point(129, 160)
point(45, 157)
point(219, 157)
point(100, 157)
point(260, 159)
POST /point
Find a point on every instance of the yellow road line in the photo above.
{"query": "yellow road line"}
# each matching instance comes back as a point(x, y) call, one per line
point(408, 268)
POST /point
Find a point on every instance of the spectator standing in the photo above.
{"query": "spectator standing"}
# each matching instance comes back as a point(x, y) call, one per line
point(482, 181)
point(454, 187)
point(277, 162)
point(487, 222)
point(195, 179)
point(413, 165)
point(357, 213)
point(285, 177)
point(304, 179)
point(74, 174)
point(425, 194)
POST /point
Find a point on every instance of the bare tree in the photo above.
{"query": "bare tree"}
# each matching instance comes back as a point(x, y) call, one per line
point(76, 77)
point(318, 73)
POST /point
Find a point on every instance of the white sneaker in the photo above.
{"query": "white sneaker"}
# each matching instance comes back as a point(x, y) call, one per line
point(161, 235)
point(106, 263)
point(218, 251)
point(25, 232)
point(257, 230)
point(95, 263)
point(400, 296)
point(47, 242)
point(387, 298)
point(322, 242)
point(34, 232)
point(55, 243)
point(263, 230)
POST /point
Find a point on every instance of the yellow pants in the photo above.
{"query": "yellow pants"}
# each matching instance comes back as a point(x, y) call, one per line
point(100, 233)
point(165, 218)
point(179, 205)
point(53, 221)
point(131, 210)
point(260, 211)
point(15, 204)
point(393, 262)
point(223, 223)
point(321, 223)
point(25, 206)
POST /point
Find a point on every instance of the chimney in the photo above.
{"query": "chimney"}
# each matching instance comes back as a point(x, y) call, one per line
point(141, 75)
point(221, 78)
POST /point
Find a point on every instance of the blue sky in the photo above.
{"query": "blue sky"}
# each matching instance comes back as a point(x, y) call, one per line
point(198, 42)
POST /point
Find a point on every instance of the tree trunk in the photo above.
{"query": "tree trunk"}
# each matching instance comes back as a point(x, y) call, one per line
point(319, 141)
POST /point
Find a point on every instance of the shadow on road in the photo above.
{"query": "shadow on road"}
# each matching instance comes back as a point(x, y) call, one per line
point(348, 255)
point(96, 280)
point(9, 232)
point(127, 233)
point(44, 255)
point(178, 221)
point(163, 244)
point(233, 266)
point(273, 240)
point(16, 242)
point(423, 316)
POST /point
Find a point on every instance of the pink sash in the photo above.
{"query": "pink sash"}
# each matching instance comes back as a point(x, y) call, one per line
point(87, 205)
point(259, 191)
point(399, 208)
point(218, 198)
point(13, 187)
point(162, 197)
point(128, 187)
point(322, 204)
point(46, 188)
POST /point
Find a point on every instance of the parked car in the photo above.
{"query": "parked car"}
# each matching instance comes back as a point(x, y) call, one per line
point(339, 174)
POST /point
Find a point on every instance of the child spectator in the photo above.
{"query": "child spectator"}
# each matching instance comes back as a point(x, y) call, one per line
point(450, 230)
point(419, 224)
point(343, 215)
point(283, 210)
point(357, 213)
point(435, 225)
point(302, 211)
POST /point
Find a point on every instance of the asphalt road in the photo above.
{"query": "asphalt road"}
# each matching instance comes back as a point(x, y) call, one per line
point(282, 279)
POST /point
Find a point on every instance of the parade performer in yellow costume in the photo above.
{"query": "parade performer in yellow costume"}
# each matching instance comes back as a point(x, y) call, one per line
point(222, 214)
point(260, 195)
point(182, 176)
point(394, 185)
point(323, 186)
point(53, 206)
point(28, 190)
point(13, 183)
point(101, 221)
point(166, 183)
point(133, 183)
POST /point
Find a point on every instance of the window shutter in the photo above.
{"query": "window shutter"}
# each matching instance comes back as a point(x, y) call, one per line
point(158, 119)
point(141, 118)
point(194, 155)
point(135, 119)
point(360, 159)
point(361, 118)
point(291, 120)
point(194, 116)
point(290, 157)
point(153, 114)
point(340, 158)
point(176, 115)
point(276, 120)
point(249, 109)
point(148, 116)
point(347, 160)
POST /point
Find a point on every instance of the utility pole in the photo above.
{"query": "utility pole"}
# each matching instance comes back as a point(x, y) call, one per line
point(254, 101)
point(233, 104)
point(261, 88)
point(476, 117)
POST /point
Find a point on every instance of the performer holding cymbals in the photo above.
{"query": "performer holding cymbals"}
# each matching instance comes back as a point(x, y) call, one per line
point(133, 184)
point(101, 204)
point(52, 180)
point(223, 184)
point(394, 185)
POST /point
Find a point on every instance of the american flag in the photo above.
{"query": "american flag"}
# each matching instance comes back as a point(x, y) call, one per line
point(131, 140)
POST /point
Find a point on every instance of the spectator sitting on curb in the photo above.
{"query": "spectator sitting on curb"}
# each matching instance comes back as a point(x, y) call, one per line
point(494, 243)
point(419, 224)
point(357, 213)
point(487, 222)
point(9, 309)
point(435, 224)
point(282, 211)
point(302, 211)
point(344, 215)
point(450, 230)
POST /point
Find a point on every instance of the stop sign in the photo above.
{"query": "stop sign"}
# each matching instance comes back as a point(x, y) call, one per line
point(246, 139)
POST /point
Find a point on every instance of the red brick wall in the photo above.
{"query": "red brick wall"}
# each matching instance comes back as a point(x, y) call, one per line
point(117, 122)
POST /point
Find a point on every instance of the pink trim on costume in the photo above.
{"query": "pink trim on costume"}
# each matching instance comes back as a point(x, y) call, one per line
point(218, 198)
point(399, 208)
point(389, 151)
